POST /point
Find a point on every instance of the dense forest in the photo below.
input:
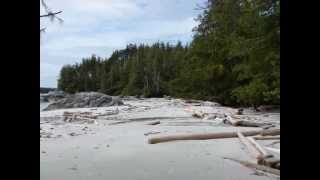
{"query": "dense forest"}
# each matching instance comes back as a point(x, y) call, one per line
point(234, 58)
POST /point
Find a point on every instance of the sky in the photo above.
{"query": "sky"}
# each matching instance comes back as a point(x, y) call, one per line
point(101, 26)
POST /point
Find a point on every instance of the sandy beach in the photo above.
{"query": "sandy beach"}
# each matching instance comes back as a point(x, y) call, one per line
point(100, 150)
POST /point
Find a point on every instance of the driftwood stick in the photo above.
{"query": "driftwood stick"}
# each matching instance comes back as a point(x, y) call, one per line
point(256, 166)
point(205, 136)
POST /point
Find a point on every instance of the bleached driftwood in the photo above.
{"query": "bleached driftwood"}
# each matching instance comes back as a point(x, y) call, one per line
point(148, 133)
point(255, 167)
point(254, 153)
point(79, 116)
point(205, 136)
point(236, 122)
point(142, 119)
point(266, 137)
point(262, 151)
point(274, 150)
point(272, 162)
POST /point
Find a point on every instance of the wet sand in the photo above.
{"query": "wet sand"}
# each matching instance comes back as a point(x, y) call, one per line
point(121, 152)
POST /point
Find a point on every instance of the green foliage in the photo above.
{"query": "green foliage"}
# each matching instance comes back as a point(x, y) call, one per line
point(234, 58)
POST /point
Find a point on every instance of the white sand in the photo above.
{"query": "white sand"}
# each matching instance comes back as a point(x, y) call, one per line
point(121, 152)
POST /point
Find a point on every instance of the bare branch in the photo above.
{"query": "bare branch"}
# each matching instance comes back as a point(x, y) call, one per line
point(50, 14)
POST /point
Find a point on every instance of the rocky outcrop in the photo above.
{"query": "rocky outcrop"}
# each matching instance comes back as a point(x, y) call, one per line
point(85, 100)
point(52, 96)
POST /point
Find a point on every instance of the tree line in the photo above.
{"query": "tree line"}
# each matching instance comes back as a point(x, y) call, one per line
point(234, 58)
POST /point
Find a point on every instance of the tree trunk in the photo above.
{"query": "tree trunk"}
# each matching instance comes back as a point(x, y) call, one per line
point(205, 136)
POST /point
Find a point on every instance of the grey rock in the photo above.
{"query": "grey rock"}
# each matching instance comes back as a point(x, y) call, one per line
point(85, 100)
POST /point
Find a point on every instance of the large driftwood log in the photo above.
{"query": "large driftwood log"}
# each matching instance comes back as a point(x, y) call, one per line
point(205, 136)
point(254, 153)
point(262, 151)
point(256, 166)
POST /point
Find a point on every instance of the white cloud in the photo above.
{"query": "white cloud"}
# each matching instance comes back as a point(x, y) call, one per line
point(101, 26)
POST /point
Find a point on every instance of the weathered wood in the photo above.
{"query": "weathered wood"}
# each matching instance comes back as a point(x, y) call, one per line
point(254, 166)
point(148, 133)
point(232, 121)
point(270, 162)
point(254, 153)
point(250, 124)
point(154, 123)
point(266, 137)
point(143, 119)
point(205, 136)
point(262, 151)
point(274, 150)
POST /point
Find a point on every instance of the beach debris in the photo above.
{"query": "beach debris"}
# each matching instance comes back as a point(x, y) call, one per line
point(87, 117)
point(205, 136)
point(149, 133)
point(240, 111)
point(274, 150)
point(255, 167)
point(235, 121)
point(143, 119)
point(153, 123)
point(266, 137)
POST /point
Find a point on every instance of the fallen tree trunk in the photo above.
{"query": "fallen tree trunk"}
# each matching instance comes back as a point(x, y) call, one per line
point(154, 123)
point(256, 166)
point(205, 136)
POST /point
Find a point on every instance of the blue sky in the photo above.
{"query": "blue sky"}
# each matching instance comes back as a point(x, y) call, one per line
point(102, 26)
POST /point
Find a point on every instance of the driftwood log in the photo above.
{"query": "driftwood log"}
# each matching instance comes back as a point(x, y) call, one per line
point(266, 137)
point(234, 121)
point(205, 136)
point(261, 150)
point(254, 153)
point(255, 167)
point(274, 150)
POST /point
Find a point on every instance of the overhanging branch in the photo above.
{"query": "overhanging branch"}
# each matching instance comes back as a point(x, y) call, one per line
point(50, 14)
